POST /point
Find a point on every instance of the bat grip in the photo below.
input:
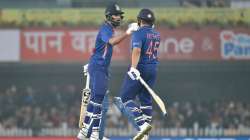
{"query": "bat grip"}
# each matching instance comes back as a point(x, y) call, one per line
point(87, 81)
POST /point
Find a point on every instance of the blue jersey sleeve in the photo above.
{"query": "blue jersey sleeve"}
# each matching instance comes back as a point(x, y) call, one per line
point(106, 34)
point(136, 41)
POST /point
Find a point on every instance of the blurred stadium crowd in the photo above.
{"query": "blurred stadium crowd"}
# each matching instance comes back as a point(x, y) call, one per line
point(58, 106)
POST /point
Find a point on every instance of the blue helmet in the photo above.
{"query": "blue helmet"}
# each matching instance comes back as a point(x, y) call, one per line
point(146, 15)
point(113, 9)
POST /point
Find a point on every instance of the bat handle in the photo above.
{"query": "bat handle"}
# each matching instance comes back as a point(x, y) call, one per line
point(87, 81)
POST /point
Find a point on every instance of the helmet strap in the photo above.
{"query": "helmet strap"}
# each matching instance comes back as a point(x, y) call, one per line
point(113, 22)
point(139, 22)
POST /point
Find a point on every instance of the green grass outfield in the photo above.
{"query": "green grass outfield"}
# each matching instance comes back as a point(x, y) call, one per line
point(94, 16)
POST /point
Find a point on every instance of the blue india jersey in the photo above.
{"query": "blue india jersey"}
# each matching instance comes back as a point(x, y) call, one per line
point(148, 40)
point(102, 52)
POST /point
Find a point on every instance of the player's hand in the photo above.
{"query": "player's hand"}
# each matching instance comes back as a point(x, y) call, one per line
point(85, 68)
point(133, 73)
point(132, 27)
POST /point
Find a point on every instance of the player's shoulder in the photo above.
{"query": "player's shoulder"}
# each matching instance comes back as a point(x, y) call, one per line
point(141, 32)
point(106, 27)
point(138, 33)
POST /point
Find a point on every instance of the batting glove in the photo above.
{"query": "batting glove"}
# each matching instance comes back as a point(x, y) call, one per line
point(132, 27)
point(85, 68)
point(133, 73)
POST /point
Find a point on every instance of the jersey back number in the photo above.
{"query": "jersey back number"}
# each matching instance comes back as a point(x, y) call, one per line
point(153, 46)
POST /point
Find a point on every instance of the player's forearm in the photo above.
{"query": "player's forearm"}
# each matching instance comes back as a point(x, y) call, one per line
point(117, 39)
point(136, 53)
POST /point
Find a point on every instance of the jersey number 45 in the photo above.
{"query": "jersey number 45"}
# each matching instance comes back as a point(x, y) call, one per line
point(152, 49)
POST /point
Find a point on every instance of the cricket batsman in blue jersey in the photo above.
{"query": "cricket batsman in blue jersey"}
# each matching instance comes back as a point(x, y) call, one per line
point(98, 69)
point(145, 43)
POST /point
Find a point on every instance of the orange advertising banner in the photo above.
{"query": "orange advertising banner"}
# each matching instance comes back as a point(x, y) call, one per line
point(184, 43)
point(63, 45)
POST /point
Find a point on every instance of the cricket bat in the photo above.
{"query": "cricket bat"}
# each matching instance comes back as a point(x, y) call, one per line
point(157, 99)
point(85, 100)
